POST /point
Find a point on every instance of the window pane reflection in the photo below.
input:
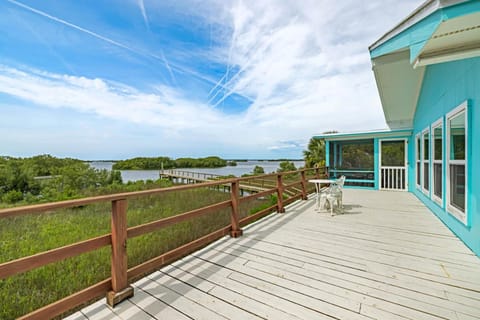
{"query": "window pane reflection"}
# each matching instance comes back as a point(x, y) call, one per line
point(437, 177)
point(437, 136)
point(457, 137)
point(457, 186)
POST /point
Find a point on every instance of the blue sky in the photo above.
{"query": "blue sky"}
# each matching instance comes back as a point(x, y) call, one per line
point(110, 79)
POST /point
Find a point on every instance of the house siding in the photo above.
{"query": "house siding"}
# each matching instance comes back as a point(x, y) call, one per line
point(446, 86)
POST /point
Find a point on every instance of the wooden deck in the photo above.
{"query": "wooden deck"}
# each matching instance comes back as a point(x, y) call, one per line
point(388, 257)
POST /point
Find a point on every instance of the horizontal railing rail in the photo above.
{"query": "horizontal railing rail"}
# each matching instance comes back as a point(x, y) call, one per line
point(117, 287)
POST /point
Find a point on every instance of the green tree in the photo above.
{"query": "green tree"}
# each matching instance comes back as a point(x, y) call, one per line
point(47, 178)
point(315, 153)
point(12, 196)
point(286, 166)
point(258, 170)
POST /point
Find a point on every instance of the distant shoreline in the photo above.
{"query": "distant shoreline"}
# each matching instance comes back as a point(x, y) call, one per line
point(238, 160)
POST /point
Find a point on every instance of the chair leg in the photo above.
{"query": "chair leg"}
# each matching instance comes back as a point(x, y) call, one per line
point(326, 204)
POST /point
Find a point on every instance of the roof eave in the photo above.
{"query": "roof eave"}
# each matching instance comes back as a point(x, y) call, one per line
point(426, 9)
point(365, 134)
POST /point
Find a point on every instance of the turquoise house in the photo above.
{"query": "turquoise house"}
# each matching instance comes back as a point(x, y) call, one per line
point(427, 71)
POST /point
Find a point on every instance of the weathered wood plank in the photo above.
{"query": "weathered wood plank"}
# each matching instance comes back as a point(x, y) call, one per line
point(178, 301)
point(379, 260)
point(129, 310)
point(375, 258)
point(337, 263)
point(341, 272)
point(249, 298)
point(99, 311)
point(76, 316)
point(277, 286)
point(178, 282)
point(332, 293)
point(156, 308)
point(330, 232)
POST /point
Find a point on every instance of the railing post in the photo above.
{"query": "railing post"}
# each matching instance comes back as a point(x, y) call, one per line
point(120, 288)
point(304, 186)
point(317, 175)
point(280, 209)
point(234, 191)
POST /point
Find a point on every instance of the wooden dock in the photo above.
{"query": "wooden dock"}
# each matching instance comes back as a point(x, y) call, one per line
point(388, 257)
point(189, 177)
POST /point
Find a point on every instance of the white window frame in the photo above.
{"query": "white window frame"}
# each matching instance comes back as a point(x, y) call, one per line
point(435, 125)
point(422, 160)
point(405, 160)
point(462, 216)
point(418, 160)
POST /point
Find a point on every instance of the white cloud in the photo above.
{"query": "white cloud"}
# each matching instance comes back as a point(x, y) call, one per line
point(305, 64)
point(165, 108)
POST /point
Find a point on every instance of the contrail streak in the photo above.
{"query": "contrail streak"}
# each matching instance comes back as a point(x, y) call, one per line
point(169, 66)
point(141, 4)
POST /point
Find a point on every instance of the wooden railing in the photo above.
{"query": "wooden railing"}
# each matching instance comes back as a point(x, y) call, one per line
point(117, 286)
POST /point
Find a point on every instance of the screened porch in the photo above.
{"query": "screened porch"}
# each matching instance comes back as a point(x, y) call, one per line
point(375, 160)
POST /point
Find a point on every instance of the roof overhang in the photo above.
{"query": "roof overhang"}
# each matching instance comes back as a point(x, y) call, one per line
point(423, 11)
point(454, 39)
point(399, 87)
point(380, 134)
point(437, 32)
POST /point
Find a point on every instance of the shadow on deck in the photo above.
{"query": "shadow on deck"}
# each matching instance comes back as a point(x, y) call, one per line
point(386, 257)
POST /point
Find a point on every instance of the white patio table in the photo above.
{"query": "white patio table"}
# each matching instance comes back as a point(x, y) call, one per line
point(319, 185)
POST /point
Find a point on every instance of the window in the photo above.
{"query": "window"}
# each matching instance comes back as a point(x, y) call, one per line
point(457, 162)
point(425, 161)
point(437, 154)
point(417, 157)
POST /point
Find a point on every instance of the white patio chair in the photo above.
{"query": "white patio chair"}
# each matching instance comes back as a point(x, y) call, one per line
point(319, 191)
point(332, 195)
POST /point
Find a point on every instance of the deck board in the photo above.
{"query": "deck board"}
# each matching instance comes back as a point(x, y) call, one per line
point(387, 257)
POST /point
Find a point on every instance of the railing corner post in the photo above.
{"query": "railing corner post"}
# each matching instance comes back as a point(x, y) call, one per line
point(235, 231)
point(120, 288)
point(304, 186)
point(280, 209)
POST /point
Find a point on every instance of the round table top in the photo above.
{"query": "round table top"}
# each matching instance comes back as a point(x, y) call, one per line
point(321, 181)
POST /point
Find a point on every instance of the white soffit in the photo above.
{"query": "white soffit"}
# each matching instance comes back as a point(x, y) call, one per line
point(454, 39)
point(399, 86)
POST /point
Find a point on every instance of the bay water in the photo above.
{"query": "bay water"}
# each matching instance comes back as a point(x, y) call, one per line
point(241, 168)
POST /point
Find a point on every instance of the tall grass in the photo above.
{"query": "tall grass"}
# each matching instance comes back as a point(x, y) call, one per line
point(26, 235)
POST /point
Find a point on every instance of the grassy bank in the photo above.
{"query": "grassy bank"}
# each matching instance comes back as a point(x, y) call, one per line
point(30, 234)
